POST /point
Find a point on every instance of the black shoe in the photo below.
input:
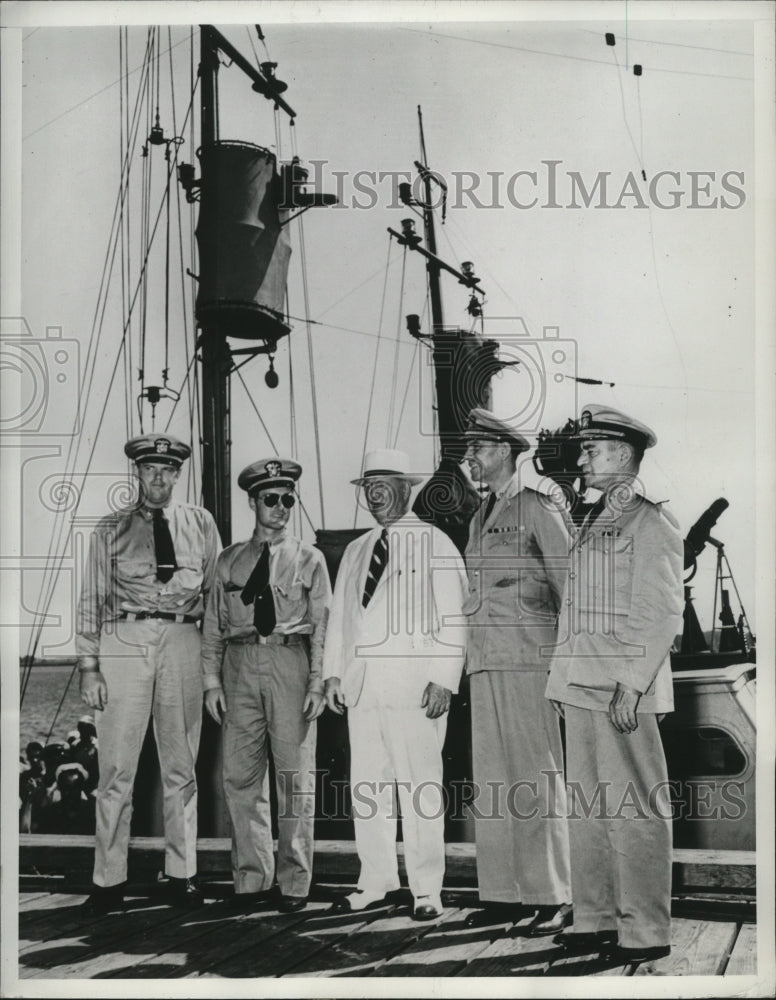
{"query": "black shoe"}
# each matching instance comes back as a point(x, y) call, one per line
point(244, 902)
point(361, 901)
point(495, 913)
point(291, 904)
point(586, 942)
point(184, 892)
point(549, 920)
point(626, 955)
point(104, 899)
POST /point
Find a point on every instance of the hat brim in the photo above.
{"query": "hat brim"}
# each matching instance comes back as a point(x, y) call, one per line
point(409, 477)
point(273, 484)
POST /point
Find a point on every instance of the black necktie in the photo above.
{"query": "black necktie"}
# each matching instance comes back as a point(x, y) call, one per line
point(258, 590)
point(596, 510)
point(489, 506)
point(163, 547)
point(376, 566)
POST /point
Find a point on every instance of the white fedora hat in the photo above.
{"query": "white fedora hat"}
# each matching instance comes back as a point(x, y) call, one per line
point(384, 463)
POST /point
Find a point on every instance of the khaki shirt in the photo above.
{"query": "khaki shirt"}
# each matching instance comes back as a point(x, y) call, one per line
point(622, 609)
point(120, 573)
point(516, 563)
point(301, 591)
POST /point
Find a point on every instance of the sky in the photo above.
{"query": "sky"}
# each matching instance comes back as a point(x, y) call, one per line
point(650, 286)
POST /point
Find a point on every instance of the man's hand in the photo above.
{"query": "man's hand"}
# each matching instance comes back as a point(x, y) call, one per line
point(622, 708)
point(333, 695)
point(435, 700)
point(215, 703)
point(94, 690)
point(313, 705)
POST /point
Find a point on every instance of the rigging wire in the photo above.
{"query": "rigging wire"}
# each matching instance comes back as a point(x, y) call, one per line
point(374, 368)
point(311, 361)
point(54, 564)
point(47, 586)
point(415, 355)
point(563, 55)
point(395, 376)
point(310, 354)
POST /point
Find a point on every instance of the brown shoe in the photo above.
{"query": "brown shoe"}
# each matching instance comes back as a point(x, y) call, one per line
point(549, 920)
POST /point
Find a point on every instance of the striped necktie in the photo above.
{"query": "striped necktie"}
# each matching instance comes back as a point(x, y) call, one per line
point(164, 550)
point(376, 566)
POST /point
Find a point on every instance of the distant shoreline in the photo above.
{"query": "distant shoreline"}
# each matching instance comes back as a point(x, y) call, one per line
point(47, 661)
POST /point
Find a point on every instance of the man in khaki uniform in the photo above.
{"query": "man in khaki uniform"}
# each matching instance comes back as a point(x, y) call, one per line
point(516, 563)
point(262, 647)
point(149, 570)
point(611, 677)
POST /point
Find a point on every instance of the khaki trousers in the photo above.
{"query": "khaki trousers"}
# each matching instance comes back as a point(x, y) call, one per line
point(620, 827)
point(265, 688)
point(397, 749)
point(520, 805)
point(151, 667)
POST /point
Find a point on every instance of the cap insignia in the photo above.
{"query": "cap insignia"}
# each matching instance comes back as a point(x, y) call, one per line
point(273, 469)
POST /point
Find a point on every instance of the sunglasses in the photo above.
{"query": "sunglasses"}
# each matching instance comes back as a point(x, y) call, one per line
point(271, 499)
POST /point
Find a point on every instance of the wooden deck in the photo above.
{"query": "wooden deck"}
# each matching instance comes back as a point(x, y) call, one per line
point(711, 937)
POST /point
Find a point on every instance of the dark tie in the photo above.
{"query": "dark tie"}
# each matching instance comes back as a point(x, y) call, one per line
point(595, 511)
point(489, 507)
point(258, 591)
point(376, 566)
point(163, 547)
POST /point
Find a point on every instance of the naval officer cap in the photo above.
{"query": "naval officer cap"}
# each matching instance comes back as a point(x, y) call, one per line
point(603, 422)
point(486, 425)
point(268, 472)
point(157, 448)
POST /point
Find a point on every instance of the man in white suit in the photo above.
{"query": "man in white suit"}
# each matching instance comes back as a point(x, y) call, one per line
point(393, 657)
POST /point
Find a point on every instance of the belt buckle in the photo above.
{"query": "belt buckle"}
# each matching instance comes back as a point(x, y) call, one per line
point(262, 640)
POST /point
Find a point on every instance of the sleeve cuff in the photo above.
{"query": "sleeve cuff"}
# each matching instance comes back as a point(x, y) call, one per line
point(210, 682)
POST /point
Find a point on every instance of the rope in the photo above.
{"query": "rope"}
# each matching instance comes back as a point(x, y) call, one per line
point(374, 367)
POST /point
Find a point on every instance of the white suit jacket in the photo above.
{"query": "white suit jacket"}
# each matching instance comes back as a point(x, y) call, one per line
point(412, 631)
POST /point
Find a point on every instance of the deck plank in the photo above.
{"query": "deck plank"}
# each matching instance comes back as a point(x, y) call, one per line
point(743, 958)
point(80, 938)
point(446, 949)
point(318, 932)
point(698, 948)
point(28, 900)
point(180, 934)
point(227, 935)
point(362, 952)
point(514, 955)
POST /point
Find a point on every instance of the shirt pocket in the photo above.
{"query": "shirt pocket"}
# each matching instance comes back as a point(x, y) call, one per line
point(133, 569)
point(606, 584)
point(290, 601)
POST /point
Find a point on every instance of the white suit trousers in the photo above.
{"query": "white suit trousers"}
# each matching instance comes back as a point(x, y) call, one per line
point(397, 749)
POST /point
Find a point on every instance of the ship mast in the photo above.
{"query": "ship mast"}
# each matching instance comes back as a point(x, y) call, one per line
point(216, 357)
point(432, 265)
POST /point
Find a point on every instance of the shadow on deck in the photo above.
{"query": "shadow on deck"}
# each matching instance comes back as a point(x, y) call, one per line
point(151, 940)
